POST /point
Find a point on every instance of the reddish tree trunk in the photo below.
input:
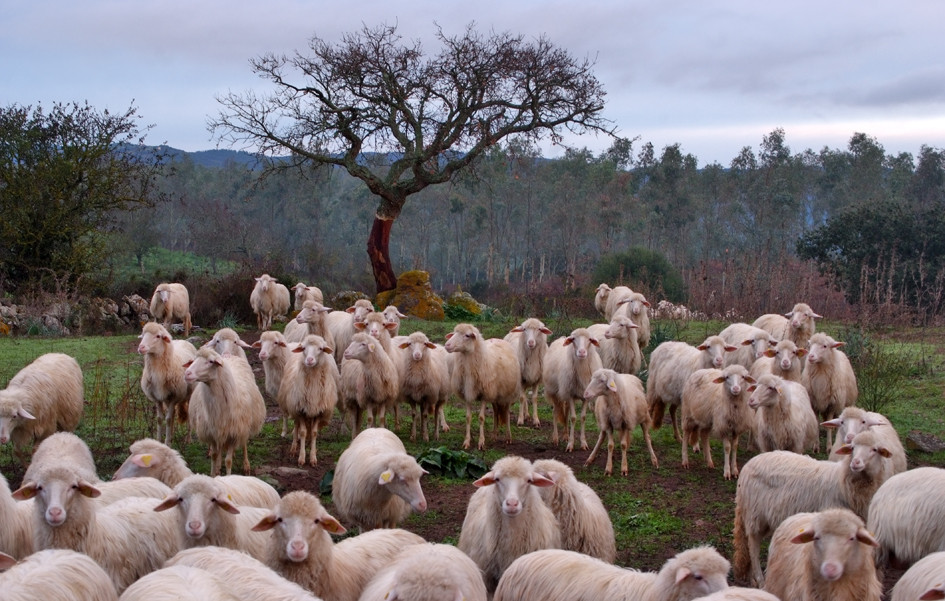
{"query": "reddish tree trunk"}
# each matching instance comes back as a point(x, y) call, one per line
point(378, 250)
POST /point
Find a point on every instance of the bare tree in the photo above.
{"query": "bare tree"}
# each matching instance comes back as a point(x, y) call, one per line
point(424, 117)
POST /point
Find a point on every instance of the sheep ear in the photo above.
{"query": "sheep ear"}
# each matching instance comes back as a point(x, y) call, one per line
point(612, 385)
point(831, 424)
point(815, 316)
point(143, 459)
point(844, 449)
point(171, 500)
point(330, 524)
point(403, 345)
point(568, 340)
point(385, 477)
point(350, 309)
point(884, 452)
point(770, 353)
point(298, 349)
point(166, 338)
point(864, 536)
point(188, 364)
point(747, 342)
point(243, 343)
point(267, 523)
point(487, 480)
point(227, 505)
point(23, 413)
point(450, 335)
point(541, 481)
point(359, 325)
point(594, 341)
point(702, 347)
point(804, 536)
point(729, 348)
point(789, 314)
point(545, 331)
point(257, 344)
point(517, 329)
point(752, 388)
point(328, 350)
point(429, 345)
point(719, 380)
point(838, 344)
point(279, 343)
point(682, 574)
point(25, 492)
point(390, 325)
point(934, 593)
point(6, 562)
point(750, 380)
point(87, 490)
point(646, 303)
point(872, 421)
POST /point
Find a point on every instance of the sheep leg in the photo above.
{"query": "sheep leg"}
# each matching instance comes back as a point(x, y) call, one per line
point(624, 445)
point(313, 434)
point(246, 467)
point(572, 421)
point(535, 421)
point(593, 455)
point(482, 426)
point(522, 408)
point(295, 437)
point(609, 468)
point(706, 449)
point(285, 425)
point(443, 425)
point(672, 419)
point(732, 457)
point(649, 444)
point(301, 433)
point(416, 414)
point(685, 450)
point(583, 421)
point(468, 439)
point(169, 424)
point(215, 460)
point(756, 578)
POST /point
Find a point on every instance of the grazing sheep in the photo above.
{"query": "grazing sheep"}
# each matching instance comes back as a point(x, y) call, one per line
point(57, 574)
point(784, 419)
point(427, 572)
point(752, 343)
point(620, 407)
point(268, 300)
point(854, 420)
point(44, 397)
point(907, 515)
point(778, 484)
point(305, 293)
point(715, 403)
point(150, 458)
point(671, 364)
point(226, 407)
point(423, 371)
point(619, 344)
point(162, 378)
point(785, 360)
point(393, 316)
point(227, 342)
point(739, 593)
point(565, 375)
point(584, 522)
point(171, 302)
point(635, 306)
point(207, 516)
point(829, 379)
point(614, 298)
point(301, 549)
point(309, 392)
point(507, 520)
point(341, 325)
point(16, 524)
point(376, 483)
point(368, 381)
point(127, 538)
point(824, 556)
point(797, 326)
point(312, 319)
point(486, 371)
point(244, 577)
point(274, 352)
point(557, 574)
point(530, 343)
point(600, 298)
point(924, 580)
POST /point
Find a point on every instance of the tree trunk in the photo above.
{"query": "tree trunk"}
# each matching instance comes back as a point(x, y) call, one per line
point(378, 250)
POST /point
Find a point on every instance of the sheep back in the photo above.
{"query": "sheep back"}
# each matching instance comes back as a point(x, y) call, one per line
point(427, 572)
point(57, 574)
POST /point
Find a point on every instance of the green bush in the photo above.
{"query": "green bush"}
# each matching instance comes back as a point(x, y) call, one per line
point(642, 269)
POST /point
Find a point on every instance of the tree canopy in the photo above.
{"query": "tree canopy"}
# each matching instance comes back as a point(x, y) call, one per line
point(399, 119)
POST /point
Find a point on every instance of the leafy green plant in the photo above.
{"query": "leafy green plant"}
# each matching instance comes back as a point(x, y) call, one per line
point(447, 462)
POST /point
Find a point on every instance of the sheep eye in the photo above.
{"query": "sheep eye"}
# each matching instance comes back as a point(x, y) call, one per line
point(697, 576)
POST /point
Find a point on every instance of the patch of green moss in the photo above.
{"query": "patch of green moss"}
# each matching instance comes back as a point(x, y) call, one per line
point(414, 296)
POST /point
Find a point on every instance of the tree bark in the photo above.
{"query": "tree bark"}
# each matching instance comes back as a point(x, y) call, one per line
point(378, 250)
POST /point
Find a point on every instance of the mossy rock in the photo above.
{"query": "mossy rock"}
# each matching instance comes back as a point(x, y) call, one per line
point(414, 296)
point(465, 301)
point(345, 299)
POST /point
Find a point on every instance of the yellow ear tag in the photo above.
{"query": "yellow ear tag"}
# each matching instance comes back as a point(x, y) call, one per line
point(386, 595)
point(229, 498)
point(29, 493)
point(146, 460)
point(386, 476)
point(611, 384)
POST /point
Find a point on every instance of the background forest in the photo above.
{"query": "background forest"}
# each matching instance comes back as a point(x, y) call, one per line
point(854, 231)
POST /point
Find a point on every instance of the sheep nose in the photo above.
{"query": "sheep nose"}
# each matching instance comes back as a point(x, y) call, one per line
point(736, 390)
point(831, 570)
point(143, 349)
point(55, 513)
point(531, 344)
point(263, 356)
point(582, 353)
point(297, 545)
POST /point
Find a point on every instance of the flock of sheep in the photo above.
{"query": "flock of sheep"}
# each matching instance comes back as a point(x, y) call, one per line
point(532, 529)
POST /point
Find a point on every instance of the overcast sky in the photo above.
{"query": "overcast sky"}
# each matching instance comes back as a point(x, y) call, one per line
point(713, 76)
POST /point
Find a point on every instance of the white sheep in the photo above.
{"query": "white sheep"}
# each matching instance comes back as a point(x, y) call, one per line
point(671, 364)
point(620, 407)
point(206, 515)
point(752, 343)
point(784, 419)
point(854, 420)
point(226, 407)
point(301, 549)
point(376, 483)
point(226, 341)
point(154, 459)
point(778, 484)
point(427, 572)
point(392, 315)
point(785, 360)
point(636, 307)
point(274, 352)
point(506, 518)
point(619, 344)
point(739, 593)
point(16, 523)
point(715, 404)
point(529, 340)
point(57, 574)
point(569, 365)
point(797, 326)
point(828, 378)
point(171, 302)
point(127, 538)
point(907, 515)
point(268, 299)
point(162, 378)
point(924, 580)
point(600, 298)
point(369, 381)
point(304, 293)
point(614, 298)
point(825, 556)
point(584, 522)
point(312, 319)
point(423, 371)
point(182, 583)
point(341, 325)
point(44, 397)
point(309, 392)
point(486, 371)
point(558, 574)
point(244, 577)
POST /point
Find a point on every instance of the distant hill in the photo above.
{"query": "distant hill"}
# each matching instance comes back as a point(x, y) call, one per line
point(215, 158)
